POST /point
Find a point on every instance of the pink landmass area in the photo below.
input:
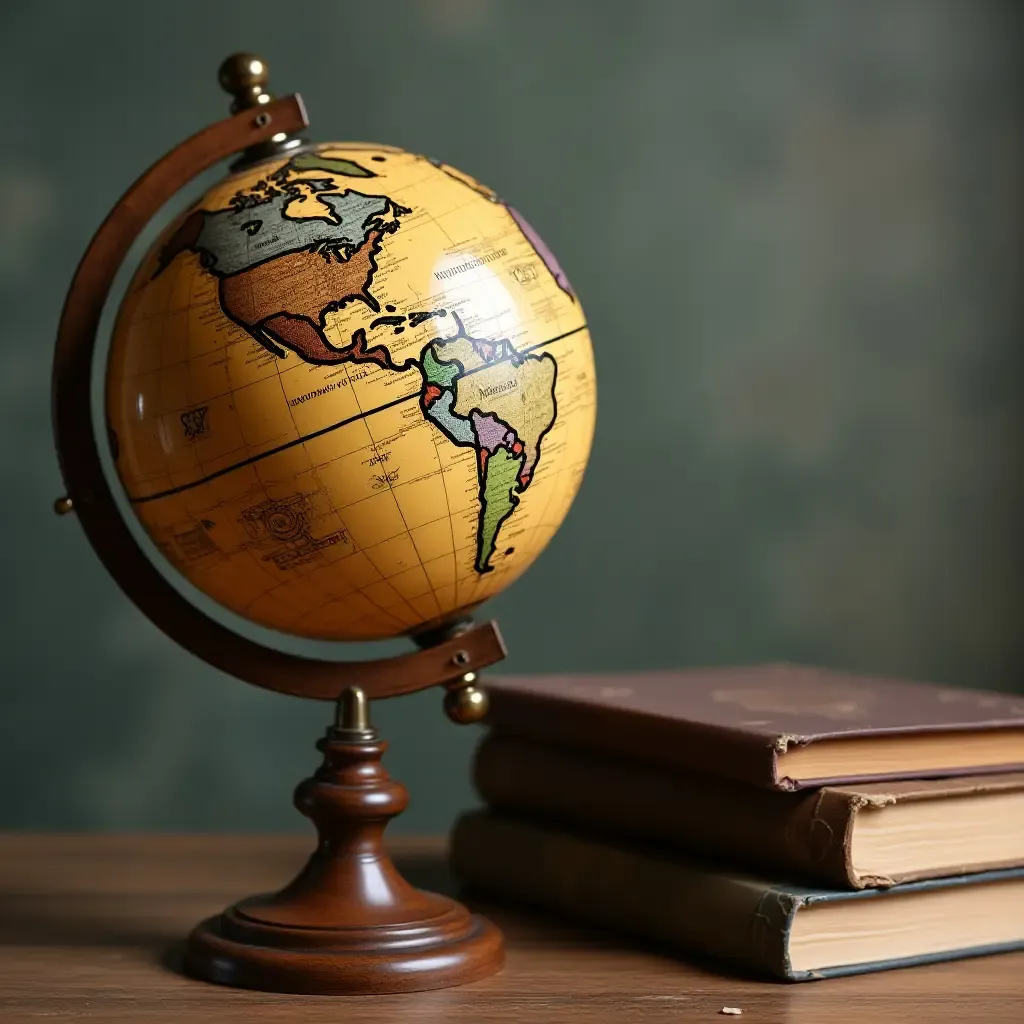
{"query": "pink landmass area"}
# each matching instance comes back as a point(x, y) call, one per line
point(543, 252)
point(490, 431)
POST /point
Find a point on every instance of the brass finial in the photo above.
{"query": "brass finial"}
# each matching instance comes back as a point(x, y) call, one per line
point(244, 76)
point(465, 703)
point(62, 506)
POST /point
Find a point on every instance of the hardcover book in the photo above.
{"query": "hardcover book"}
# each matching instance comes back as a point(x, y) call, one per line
point(868, 834)
point(778, 726)
point(764, 927)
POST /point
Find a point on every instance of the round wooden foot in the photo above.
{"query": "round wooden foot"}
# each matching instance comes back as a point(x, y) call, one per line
point(452, 949)
point(348, 923)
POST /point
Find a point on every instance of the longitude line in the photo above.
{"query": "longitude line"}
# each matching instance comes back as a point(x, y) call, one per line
point(373, 447)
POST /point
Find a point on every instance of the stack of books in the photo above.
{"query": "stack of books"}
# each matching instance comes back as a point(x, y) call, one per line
point(794, 822)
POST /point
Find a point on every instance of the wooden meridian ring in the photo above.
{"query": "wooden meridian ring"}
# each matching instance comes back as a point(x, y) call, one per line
point(89, 492)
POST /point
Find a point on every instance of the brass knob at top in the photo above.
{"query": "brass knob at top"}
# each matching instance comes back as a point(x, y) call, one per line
point(245, 76)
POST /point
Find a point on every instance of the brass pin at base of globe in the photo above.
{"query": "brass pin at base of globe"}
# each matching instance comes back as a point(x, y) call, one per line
point(465, 703)
point(352, 717)
point(62, 506)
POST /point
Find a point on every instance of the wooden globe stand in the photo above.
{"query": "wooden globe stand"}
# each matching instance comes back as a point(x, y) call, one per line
point(348, 923)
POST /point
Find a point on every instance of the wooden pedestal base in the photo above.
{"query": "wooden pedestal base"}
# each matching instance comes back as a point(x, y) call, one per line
point(349, 923)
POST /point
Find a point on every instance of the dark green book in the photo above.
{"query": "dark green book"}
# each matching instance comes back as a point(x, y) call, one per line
point(769, 928)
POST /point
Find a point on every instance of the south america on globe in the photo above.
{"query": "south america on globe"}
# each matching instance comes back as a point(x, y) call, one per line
point(350, 393)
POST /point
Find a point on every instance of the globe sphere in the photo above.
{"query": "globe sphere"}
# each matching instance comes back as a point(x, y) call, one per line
point(350, 393)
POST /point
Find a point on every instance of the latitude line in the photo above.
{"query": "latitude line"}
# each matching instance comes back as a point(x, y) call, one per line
point(337, 426)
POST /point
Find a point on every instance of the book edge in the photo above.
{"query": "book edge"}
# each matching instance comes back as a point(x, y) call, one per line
point(876, 966)
point(776, 907)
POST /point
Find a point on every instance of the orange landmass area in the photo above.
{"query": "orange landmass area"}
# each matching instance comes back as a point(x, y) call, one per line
point(431, 393)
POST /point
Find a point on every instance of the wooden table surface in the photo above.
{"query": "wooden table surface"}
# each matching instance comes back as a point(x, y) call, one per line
point(90, 928)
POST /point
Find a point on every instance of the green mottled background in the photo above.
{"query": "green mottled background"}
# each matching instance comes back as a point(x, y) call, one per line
point(797, 229)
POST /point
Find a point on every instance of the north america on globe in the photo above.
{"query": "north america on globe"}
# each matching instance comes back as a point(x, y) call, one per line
point(304, 258)
point(289, 252)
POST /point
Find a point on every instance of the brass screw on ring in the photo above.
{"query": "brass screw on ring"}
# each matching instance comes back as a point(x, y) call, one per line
point(62, 506)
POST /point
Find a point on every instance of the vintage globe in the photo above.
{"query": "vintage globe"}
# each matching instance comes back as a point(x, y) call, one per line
point(350, 393)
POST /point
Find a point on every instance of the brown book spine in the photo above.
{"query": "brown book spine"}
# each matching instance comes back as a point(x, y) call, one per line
point(672, 741)
point(803, 835)
point(753, 725)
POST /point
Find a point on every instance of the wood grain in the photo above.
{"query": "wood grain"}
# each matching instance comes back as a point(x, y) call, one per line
point(91, 926)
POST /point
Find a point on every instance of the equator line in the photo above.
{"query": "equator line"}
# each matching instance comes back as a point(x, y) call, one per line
point(335, 426)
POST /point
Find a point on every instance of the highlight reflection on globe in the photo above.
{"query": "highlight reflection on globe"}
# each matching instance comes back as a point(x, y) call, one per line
point(350, 393)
